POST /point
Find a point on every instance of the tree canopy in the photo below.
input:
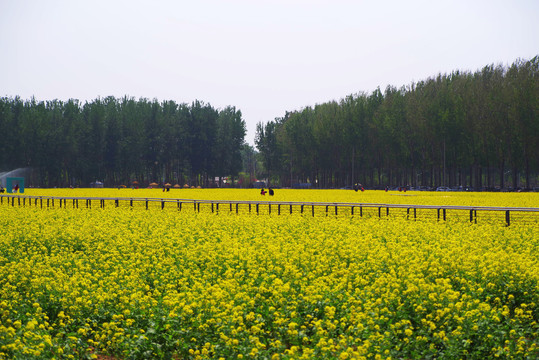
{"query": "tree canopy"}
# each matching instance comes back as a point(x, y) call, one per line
point(466, 129)
point(461, 129)
point(120, 141)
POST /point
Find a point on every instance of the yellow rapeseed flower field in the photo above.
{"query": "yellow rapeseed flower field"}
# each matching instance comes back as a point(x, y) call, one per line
point(369, 196)
point(138, 284)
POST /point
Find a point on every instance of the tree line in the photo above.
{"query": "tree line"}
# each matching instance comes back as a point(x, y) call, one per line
point(120, 141)
point(466, 129)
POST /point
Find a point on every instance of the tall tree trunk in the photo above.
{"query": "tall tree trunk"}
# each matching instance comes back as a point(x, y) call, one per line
point(527, 168)
point(502, 175)
point(353, 164)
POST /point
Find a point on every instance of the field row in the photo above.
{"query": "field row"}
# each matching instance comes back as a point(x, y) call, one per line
point(506, 216)
point(330, 196)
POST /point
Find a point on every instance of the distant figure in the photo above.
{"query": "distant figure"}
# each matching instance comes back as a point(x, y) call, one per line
point(2, 190)
point(16, 188)
point(387, 188)
point(262, 191)
point(356, 187)
point(271, 192)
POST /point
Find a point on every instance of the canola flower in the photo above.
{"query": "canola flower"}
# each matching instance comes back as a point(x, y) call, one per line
point(75, 283)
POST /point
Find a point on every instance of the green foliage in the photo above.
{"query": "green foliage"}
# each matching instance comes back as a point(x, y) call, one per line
point(467, 129)
point(120, 140)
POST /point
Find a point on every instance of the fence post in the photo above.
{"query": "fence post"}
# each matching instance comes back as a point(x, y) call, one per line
point(279, 209)
point(269, 208)
point(507, 218)
point(336, 207)
point(352, 211)
point(257, 208)
point(290, 208)
point(387, 211)
point(313, 209)
point(162, 204)
point(444, 213)
point(302, 208)
point(237, 208)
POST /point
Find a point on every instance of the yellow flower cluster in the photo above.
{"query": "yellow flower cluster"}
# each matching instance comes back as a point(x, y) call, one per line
point(76, 283)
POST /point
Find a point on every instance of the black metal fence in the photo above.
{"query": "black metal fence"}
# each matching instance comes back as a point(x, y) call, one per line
point(473, 214)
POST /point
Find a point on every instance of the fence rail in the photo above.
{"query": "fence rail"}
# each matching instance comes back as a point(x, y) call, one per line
point(507, 215)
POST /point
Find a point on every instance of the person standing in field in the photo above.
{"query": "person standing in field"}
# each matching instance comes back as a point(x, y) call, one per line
point(271, 192)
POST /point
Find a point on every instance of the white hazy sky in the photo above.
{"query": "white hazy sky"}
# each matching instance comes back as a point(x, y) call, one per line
point(263, 57)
